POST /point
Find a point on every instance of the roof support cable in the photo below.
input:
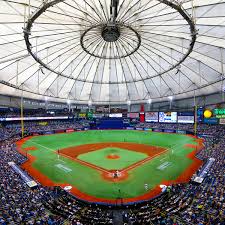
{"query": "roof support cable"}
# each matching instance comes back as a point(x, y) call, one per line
point(160, 71)
point(47, 49)
point(21, 113)
point(24, 16)
point(36, 47)
point(199, 72)
point(17, 71)
point(179, 74)
point(193, 12)
point(29, 14)
point(38, 84)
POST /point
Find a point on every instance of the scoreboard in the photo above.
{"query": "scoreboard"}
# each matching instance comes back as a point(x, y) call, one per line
point(168, 117)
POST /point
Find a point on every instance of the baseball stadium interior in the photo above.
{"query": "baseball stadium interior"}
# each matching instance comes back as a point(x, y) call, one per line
point(112, 112)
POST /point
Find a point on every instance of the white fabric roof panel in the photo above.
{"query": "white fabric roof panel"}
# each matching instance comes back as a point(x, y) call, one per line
point(66, 56)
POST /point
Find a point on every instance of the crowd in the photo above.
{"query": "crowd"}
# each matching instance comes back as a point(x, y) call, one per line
point(15, 112)
point(203, 128)
point(196, 204)
point(190, 203)
point(18, 203)
point(14, 128)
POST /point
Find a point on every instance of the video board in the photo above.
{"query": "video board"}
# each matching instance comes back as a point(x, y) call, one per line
point(151, 116)
point(110, 110)
point(133, 115)
point(167, 117)
point(185, 117)
point(34, 118)
point(200, 114)
point(82, 115)
point(116, 115)
point(98, 115)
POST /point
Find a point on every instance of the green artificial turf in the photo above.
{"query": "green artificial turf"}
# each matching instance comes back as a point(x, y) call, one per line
point(62, 170)
point(99, 158)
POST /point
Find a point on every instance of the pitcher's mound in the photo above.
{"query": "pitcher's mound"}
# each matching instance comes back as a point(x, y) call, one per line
point(112, 156)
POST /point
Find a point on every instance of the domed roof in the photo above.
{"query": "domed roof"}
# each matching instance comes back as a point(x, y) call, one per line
point(111, 51)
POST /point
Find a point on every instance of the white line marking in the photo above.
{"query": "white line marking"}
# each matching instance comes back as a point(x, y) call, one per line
point(142, 162)
point(48, 149)
point(64, 168)
point(163, 159)
point(42, 146)
point(164, 165)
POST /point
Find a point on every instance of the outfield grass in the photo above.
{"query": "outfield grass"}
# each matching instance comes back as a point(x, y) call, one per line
point(89, 180)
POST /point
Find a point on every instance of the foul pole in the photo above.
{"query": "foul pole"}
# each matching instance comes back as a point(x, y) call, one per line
point(196, 115)
point(21, 115)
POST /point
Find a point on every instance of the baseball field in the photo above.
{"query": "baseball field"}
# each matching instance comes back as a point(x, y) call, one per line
point(112, 165)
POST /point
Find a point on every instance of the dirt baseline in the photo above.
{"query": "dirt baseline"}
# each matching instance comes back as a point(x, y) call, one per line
point(81, 149)
point(151, 151)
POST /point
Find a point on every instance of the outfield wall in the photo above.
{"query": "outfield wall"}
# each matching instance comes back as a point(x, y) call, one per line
point(127, 128)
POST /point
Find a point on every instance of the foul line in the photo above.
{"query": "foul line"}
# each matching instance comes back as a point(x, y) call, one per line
point(85, 163)
point(74, 159)
point(133, 166)
point(55, 151)
point(42, 146)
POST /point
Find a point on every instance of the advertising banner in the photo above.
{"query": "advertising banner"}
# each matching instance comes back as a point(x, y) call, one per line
point(130, 128)
point(157, 130)
point(219, 113)
point(59, 131)
point(35, 118)
point(116, 115)
point(181, 131)
point(185, 117)
point(82, 115)
point(222, 121)
point(139, 128)
point(169, 131)
point(148, 129)
point(151, 116)
point(48, 132)
point(211, 120)
point(133, 115)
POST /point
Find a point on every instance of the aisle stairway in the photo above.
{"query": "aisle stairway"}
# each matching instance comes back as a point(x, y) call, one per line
point(118, 217)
